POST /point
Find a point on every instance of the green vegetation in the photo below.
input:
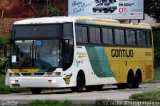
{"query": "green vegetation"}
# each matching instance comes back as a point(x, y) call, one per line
point(6, 90)
point(55, 103)
point(147, 96)
point(156, 39)
point(4, 48)
point(69, 103)
point(152, 8)
point(157, 74)
point(55, 12)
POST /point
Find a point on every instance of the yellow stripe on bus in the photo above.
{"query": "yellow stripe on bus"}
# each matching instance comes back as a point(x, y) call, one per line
point(24, 70)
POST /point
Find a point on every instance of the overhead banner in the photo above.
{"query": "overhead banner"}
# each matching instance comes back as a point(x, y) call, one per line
point(114, 9)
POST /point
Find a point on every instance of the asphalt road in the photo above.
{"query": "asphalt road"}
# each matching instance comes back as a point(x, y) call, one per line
point(109, 92)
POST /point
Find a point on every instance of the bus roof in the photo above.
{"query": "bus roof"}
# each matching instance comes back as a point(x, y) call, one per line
point(82, 20)
point(111, 22)
point(44, 20)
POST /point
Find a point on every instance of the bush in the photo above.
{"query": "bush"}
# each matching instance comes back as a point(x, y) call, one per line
point(156, 36)
point(55, 12)
point(4, 49)
point(147, 96)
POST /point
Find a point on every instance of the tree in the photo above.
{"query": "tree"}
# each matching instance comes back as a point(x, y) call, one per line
point(55, 12)
point(152, 8)
point(156, 36)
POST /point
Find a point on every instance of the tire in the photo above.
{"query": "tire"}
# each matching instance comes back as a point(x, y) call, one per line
point(94, 10)
point(122, 86)
point(36, 90)
point(130, 80)
point(111, 11)
point(80, 83)
point(105, 10)
point(137, 79)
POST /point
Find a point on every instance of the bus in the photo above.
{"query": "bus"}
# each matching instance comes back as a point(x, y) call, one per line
point(79, 53)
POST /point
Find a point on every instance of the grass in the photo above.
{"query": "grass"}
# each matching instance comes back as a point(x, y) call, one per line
point(6, 90)
point(157, 74)
point(147, 96)
point(69, 103)
point(54, 103)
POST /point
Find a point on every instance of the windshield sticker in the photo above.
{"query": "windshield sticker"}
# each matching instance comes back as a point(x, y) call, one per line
point(13, 59)
point(38, 42)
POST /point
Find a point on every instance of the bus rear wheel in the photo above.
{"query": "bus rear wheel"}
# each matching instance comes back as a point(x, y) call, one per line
point(94, 10)
point(80, 83)
point(137, 79)
point(105, 10)
point(36, 90)
point(130, 79)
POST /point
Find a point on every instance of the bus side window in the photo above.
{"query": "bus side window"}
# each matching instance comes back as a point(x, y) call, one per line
point(92, 35)
point(95, 35)
point(141, 38)
point(67, 30)
point(98, 35)
point(79, 34)
point(65, 53)
point(119, 36)
point(149, 38)
point(84, 35)
point(131, 37)
point(107, 35)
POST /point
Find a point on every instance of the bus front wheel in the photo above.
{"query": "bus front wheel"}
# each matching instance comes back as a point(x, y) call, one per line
point(80, 83)
point(36, 90)
point(137, 79)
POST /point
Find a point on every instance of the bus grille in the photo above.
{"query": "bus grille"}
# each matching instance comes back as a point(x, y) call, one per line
point(28, 74)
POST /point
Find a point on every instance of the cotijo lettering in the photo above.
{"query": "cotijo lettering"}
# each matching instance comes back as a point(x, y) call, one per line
point(122, 53)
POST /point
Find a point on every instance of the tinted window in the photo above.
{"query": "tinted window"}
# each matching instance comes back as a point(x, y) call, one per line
point(149, 38)
point(84, 34)
point(40, 31)
point(141, 38)
point(119, 36)
point(92, 35)
point(98, 36)
point(131, 37)
point(121, 32)
point(67, 30)
point(107, 36)
point(78, 34)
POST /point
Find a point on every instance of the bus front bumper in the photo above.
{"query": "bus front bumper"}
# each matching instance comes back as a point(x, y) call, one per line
point(37, 82)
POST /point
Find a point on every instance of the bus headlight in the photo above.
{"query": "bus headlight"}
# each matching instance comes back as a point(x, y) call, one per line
point(53, 73)
point(14, 81)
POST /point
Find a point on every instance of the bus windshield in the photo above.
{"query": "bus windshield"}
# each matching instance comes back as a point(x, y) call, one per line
point(36, 53)
point(31, 49)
